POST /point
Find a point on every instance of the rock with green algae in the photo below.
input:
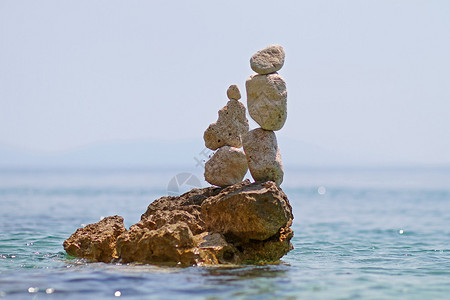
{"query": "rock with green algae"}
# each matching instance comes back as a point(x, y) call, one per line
point(242, 224)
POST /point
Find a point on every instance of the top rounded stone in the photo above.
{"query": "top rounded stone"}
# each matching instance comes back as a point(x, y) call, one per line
point(268, 60)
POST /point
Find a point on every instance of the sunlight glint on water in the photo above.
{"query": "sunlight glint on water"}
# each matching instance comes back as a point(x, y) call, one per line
point(366, 234)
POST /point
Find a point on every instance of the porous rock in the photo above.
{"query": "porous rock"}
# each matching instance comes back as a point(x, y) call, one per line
point(267, 100)
point(268, 60)
point(233, 92)
point(185, 208)
point(168, 244)
point(229, 128)
point(269, 250)
point(96, 242)
point(252, 212)
point(173, 231)
point(226, 167)
point(263, 155)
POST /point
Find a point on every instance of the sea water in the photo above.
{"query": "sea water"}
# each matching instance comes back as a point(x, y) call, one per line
point(359, 234)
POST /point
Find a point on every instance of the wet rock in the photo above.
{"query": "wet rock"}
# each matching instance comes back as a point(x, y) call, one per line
point(194, 229)
point(160, 218)
point(263, 155)
point(213, 249)
point(269, 250)
point(268, 60)
point(233, 92)
point(267, 100)
point(177, 208)
point(96, 242)
point(169, 244)
point(228, 166)
point(251, 212)
point(229, 128)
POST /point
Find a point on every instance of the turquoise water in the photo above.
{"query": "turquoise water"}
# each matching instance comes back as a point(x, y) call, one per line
point(359, 234)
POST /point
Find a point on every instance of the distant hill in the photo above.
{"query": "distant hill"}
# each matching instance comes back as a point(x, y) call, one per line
point(114, 154)
point(164, 154)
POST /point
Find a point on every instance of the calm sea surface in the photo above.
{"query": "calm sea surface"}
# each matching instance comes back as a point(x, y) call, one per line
point(359, 234)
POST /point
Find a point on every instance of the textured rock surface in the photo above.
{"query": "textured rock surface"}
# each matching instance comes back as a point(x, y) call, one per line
point(268, 250)
point(226, 167)
point(267, 100)
point(170, 243)
point(252, 212)
point(96, 242)
point(173, 230)
point(268, 60)
point(229, 128)
point(233, 92)
point(263, 155)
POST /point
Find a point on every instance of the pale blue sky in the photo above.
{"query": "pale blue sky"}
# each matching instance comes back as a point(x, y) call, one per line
point(367, 78)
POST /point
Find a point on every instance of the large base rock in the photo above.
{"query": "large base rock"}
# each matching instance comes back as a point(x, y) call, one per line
point(255, 212)
point(201, 227)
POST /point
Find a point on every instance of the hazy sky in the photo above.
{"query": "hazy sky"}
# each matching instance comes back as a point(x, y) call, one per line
point(367, 78)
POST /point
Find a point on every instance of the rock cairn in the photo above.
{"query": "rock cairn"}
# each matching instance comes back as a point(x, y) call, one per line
point(228, 165)
point(267, 105)
point(238, 222)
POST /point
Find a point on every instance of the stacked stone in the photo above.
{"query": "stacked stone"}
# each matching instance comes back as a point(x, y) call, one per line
point(228, 165)
point(267, 105)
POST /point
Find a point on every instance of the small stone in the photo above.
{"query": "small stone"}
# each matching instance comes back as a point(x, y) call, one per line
point(228, 166)
point(263, 155)
point(267, 100)
point(229, 128)
point(233, 92)
point(268, 60)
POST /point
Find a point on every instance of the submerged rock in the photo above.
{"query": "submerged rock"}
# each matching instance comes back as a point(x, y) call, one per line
point(243, 223)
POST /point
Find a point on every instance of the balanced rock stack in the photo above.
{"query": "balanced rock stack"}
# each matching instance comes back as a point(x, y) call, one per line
point(267, 105)
point(228, 165)
point(238, 222)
